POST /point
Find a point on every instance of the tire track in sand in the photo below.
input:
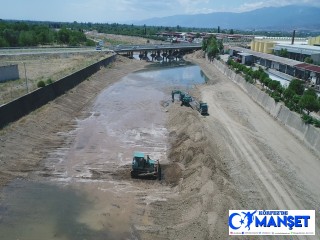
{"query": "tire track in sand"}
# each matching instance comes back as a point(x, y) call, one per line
point(246, 153)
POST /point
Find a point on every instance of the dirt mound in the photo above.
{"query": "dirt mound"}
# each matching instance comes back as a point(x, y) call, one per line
point(203, 180)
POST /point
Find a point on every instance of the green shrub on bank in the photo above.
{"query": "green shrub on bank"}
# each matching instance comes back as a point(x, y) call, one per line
point(316, 123)
point(307, 119)
point(41, 84)
point(49, 81)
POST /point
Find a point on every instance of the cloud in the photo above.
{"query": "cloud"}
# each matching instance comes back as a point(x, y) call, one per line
point(195, 6)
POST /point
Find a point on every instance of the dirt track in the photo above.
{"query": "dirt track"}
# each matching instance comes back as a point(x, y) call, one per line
point(237, 158)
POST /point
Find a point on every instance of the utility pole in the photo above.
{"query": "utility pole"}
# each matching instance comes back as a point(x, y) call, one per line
point(25, 73)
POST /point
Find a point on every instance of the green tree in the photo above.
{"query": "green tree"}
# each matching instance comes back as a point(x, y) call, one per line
point(212, 50)
point(288, 93)
point(308, 60)
point(3, 42)
point(64, 35)
point(11, 37)
point(26, 38)
point(297, 86)
point(267, 81)
point(309, 103)
point(20, 26)
point(212, 46)
point(256, 75)
point(283, 52)
point(274, 85)
point(311, 92)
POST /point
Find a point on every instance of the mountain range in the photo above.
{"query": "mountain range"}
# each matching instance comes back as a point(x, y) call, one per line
point(270, 18)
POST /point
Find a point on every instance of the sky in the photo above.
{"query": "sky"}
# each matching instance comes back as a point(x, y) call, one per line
point(127, 11)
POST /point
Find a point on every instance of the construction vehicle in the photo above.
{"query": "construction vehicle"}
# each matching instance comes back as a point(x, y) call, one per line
point(185, 98)
point(189, 101)
point(145, 167)
point(201, 107)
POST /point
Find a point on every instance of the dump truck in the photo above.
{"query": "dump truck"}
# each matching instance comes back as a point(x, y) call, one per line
point(201, 107)
point(144, 167)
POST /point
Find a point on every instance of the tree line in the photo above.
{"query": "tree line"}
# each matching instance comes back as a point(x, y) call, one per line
point(295, 96)
point(22, 34)
point(32, 33)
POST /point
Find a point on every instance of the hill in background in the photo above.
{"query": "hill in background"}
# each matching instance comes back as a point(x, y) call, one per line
point(272, 18)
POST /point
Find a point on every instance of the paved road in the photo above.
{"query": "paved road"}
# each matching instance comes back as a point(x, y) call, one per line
point(118, 48)
point(155, 47)
point(28, 51)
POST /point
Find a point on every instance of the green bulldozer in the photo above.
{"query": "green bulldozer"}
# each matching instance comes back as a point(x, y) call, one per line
point(144, 167)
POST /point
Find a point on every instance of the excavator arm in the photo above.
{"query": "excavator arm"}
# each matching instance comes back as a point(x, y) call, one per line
point(174, 92)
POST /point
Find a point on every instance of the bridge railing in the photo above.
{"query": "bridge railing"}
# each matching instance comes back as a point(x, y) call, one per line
point(142, 47)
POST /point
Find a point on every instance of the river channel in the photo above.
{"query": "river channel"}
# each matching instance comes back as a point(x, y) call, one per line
point(85, 191)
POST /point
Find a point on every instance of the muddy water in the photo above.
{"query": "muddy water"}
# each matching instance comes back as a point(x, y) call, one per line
point(85, 190)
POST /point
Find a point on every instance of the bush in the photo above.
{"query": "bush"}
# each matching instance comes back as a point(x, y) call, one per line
point(297, 86)
point(316, 123)
point(90, 43)
point(247, 78)
point(307, 119)
point(41, 84)
point(276, 96)
point(49, 81)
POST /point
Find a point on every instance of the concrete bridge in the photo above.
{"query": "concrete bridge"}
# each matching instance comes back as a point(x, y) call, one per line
point(167, 50)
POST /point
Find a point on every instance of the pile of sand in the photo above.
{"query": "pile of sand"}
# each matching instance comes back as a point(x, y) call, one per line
point(202, 181)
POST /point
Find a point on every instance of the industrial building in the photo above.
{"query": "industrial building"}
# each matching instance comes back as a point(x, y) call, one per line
point(299, 52)
point(297, 69)
point(296, 48)
point(267, 44)
point(314, 41)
